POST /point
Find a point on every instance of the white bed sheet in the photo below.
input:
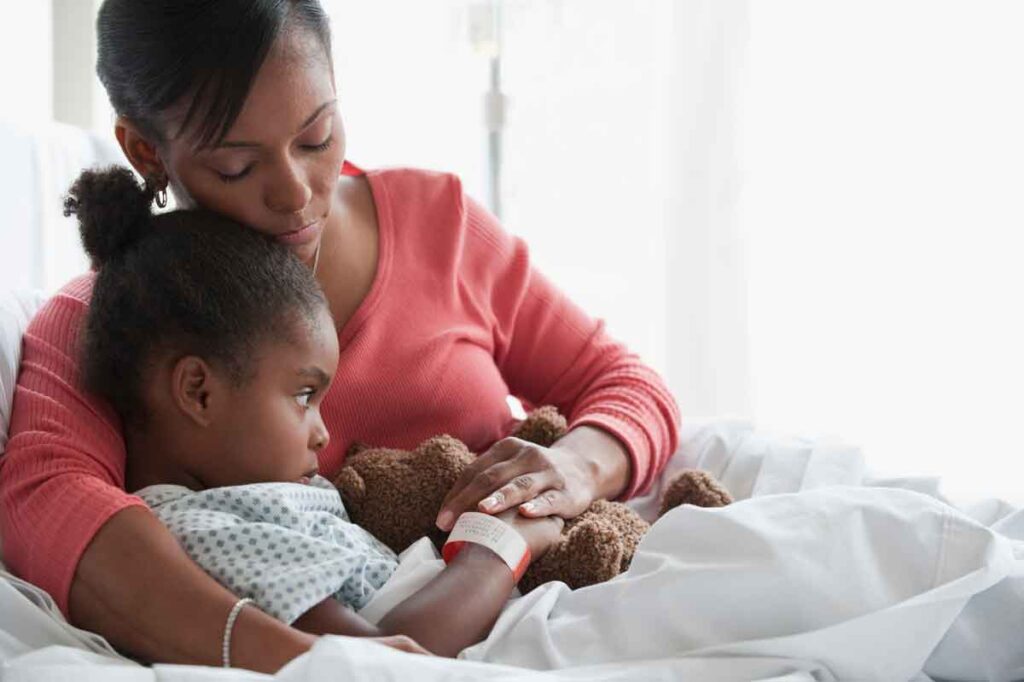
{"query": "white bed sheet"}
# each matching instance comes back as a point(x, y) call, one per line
point(822, 572)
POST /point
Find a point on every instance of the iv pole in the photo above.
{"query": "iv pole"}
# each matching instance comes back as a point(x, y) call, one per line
point(485, 34)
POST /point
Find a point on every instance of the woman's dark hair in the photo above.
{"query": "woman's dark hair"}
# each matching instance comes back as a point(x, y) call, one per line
point(153, 54)
point(188, 282)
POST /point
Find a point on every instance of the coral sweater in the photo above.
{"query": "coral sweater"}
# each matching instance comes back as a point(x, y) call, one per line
point(456, 321)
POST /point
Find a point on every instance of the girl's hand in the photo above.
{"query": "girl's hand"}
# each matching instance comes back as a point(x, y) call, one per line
point(540, 533)
point(515, 474)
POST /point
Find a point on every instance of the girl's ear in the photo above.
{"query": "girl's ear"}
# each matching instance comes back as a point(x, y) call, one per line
point(195, 389)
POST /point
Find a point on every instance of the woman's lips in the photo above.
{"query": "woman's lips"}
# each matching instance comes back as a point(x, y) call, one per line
point(303, 235)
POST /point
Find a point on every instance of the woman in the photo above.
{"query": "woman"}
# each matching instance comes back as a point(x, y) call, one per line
point(231, 106)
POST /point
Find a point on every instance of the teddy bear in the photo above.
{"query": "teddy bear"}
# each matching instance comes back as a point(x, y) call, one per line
point(396, 495)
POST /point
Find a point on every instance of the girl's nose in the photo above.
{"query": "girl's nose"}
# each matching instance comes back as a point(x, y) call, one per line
point(320, 436)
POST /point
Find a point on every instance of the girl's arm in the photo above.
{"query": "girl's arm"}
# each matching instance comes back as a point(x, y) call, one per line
point(454, 610)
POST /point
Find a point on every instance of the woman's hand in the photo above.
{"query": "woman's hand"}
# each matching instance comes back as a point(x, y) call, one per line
point(561, 480)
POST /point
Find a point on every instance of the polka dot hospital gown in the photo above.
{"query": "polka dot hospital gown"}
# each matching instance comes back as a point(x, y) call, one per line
point(287, 546)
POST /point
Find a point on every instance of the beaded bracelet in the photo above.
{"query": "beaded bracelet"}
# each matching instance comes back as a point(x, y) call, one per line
point(228, 627)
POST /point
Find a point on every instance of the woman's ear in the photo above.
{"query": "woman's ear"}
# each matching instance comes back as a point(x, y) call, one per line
point(138, 149)
point(196, 389)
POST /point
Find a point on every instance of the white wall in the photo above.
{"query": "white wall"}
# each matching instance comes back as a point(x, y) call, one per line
point(410, 86)
point(799, 211)
point(882, 158)
point(26, 75)
point(583, 142)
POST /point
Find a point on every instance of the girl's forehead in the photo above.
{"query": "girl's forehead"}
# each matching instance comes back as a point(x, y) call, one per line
point(310, 345)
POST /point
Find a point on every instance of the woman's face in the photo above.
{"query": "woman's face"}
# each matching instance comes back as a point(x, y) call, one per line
point(277, 168)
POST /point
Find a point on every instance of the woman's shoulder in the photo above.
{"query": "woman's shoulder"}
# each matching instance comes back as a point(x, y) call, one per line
point(417, 189)
point(437, 225)
point(79, 289)
point(65, 308)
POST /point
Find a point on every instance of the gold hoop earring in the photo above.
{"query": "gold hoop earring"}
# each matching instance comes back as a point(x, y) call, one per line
point(161, 197)
point(158, 186)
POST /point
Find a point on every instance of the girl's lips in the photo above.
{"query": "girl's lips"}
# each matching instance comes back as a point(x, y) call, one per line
point(303, 235)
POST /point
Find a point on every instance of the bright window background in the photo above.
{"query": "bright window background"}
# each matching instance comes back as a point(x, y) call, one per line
point(801, 212)
point(581, 145)
point(883, 159)
point(410, 86)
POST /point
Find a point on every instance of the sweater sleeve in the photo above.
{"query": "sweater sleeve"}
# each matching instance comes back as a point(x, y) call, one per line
point(62, 476)
point(551, 352)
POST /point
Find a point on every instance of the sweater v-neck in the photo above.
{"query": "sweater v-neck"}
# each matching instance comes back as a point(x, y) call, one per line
point(381, 201)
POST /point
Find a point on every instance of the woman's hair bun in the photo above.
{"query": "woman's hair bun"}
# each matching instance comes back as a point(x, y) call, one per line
point(113, 211)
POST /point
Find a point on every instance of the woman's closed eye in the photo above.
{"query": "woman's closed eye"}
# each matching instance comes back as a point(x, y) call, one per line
point(315, 148)
point(322, 147)
point(232, 177)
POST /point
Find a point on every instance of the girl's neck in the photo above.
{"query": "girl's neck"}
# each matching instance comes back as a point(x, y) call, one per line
point(150, 463)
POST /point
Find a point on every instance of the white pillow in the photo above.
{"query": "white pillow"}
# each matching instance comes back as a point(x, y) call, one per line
point(16, 309)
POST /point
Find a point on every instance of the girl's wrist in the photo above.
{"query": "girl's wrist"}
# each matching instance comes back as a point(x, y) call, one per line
point(481, 558)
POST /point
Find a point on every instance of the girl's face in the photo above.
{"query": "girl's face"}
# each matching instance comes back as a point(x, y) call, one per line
point(270, 429)
point(277, 168)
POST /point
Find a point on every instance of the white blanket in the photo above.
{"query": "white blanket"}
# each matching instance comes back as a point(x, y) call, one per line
point(821, 573)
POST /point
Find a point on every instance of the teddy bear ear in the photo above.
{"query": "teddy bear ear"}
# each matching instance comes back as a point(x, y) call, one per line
point(350, 484)
point(443, 446)
point(355, 449)
point(542, 426)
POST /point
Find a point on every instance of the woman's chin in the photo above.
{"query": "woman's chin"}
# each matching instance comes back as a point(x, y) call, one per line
point(305, 252)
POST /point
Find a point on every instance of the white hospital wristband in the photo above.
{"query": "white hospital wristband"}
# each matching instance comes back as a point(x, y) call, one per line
point(492, 533)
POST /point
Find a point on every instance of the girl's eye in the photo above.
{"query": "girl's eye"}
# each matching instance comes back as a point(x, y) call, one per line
point(303, 398)
point(228, 177)
point(322, 147)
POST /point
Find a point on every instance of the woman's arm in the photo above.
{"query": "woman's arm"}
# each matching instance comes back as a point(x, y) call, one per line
point(623, 420)
point(137, 587)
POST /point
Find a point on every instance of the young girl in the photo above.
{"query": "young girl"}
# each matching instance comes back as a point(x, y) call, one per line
point(215, 346)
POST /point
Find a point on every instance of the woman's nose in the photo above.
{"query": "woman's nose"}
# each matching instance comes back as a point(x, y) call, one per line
point(288, 191)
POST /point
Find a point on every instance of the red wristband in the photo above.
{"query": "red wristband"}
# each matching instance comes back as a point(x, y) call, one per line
point(492, 533)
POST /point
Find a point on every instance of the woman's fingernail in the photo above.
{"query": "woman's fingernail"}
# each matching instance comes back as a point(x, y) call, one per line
point(489, 503)
point(529, 507)
point(443, 519)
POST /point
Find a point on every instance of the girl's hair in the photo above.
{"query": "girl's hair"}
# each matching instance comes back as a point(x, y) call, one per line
point(153, 54)
point(187, 282)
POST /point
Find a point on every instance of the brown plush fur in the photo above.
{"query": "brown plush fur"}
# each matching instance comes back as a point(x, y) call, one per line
point(396, 495)
point(694, 487)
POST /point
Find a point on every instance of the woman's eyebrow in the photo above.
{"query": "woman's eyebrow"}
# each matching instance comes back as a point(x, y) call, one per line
point(305, 124)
